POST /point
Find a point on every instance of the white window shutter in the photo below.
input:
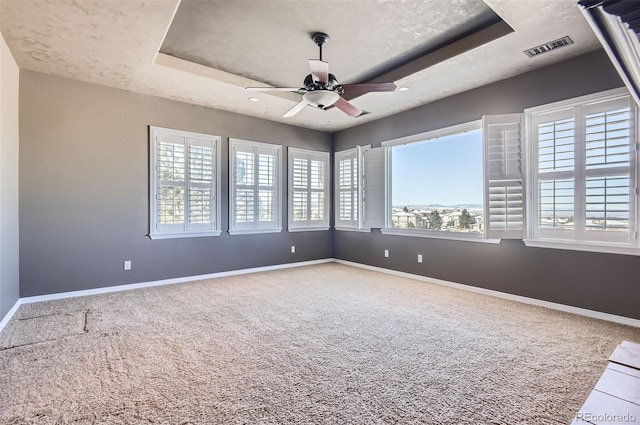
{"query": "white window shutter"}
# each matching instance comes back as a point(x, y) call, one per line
point(373, 193)
point(308, 189)
point(346, 189)
point(504, 176)
point(201, 207)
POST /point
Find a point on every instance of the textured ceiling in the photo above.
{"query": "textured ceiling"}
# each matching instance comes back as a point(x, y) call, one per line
point(277, 54)
point(117, 43)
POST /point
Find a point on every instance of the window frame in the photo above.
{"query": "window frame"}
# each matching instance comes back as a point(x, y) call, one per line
point(309, 224)
point(575, 239)
point(188, 230)
point(388, 229)
point(255, 226)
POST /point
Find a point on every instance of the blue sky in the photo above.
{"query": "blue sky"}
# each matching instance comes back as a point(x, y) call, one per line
point(447, 171)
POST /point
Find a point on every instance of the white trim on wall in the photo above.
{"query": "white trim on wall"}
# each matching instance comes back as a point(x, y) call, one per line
point(127, 287)
point(10, 314)
point(518, 298)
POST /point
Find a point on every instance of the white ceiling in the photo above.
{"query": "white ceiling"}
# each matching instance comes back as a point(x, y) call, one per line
point(216, 48)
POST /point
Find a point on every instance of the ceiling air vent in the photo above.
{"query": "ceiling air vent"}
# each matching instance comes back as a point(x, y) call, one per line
point(543, 48)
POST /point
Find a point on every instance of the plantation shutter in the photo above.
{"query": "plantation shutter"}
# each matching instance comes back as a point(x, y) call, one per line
point(266, 190)
point(373, 190)
point(346, 189)
point(609, 175)
point(171, 180)
point(308, 187)
point(243, 197)
point(201, 209)
point(504, 176)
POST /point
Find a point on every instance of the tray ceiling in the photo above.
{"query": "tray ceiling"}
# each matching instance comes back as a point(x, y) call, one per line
point(206, 52)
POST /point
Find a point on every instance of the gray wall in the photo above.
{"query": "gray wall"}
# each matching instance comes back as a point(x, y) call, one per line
point(84, 189)
point(601, 282)
point(9, 217)
point(84, 195)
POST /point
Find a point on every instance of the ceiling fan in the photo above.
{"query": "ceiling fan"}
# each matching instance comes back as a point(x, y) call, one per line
point(322, 90)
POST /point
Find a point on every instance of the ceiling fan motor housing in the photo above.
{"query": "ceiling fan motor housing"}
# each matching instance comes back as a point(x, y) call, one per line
point(332, 84)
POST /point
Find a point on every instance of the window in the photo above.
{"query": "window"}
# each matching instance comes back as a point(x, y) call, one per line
point(583, 188)
point(308, 190)
point(184, 185)
point(435, 183)
point(254, 187)
point(347, 176)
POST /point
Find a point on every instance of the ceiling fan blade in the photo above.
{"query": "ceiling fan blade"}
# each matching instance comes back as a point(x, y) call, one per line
point(319, 70)
point(297, 108)
point(293, 89)
point(347, 108)
point(368, 87)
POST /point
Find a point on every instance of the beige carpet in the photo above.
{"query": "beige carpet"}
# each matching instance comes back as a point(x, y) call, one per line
point(325, 344)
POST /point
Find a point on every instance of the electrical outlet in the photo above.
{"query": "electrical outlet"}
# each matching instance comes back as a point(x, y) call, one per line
point(293, 249)
point(127, 265)
point(419, 258)
point(386, 253)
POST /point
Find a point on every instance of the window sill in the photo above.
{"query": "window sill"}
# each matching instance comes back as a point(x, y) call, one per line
point(155, 236)
point(434, 235)
point(353, 229)
point(307, 229)
point(254, 231)
point(584, 246)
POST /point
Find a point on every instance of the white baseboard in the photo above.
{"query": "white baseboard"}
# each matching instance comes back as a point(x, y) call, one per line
point(127, 287)
point(9, 314)
point(526, 300)
point(109, 289)
point(118, 288)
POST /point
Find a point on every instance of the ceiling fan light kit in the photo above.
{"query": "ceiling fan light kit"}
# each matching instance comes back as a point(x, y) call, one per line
point(321, 98)
point(322, 90)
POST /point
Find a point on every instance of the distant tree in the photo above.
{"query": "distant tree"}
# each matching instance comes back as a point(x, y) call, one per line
point(241, 170)
point(410, 225)
point(451, 223)
point(466, 220)
point(405, 209)
point(435, 220)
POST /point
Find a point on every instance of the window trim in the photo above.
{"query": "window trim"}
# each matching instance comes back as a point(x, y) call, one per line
point(277, 227)
point(309, 225)
point(420, 137)
point(602, 247)
point(535, 238)
point(421, 233)
point(154, 132)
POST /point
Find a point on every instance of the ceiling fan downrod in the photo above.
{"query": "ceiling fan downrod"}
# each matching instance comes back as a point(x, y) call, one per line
point(320, 38)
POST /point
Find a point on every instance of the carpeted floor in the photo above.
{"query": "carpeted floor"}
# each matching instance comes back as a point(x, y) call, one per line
point(325, 344)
